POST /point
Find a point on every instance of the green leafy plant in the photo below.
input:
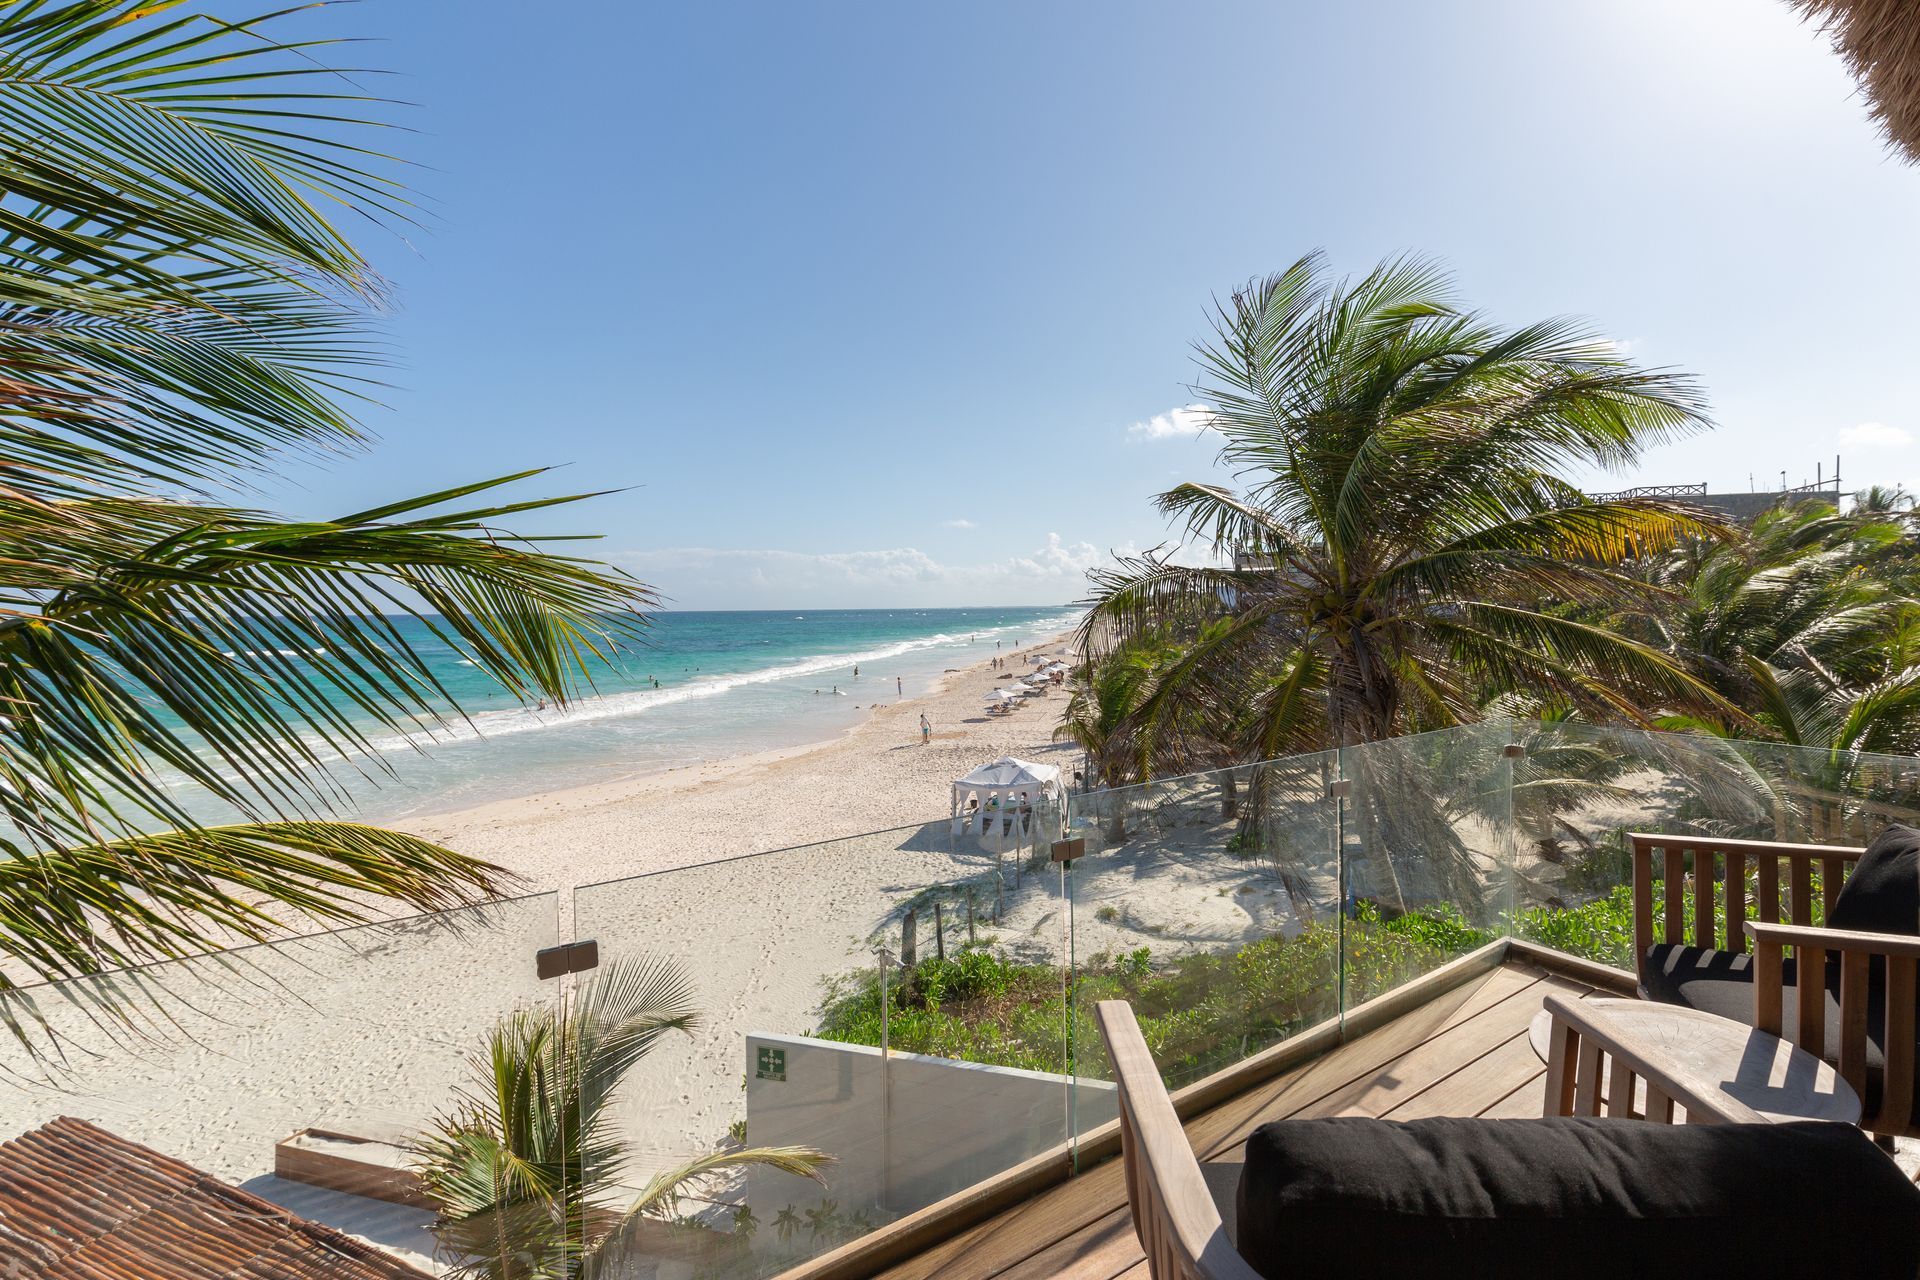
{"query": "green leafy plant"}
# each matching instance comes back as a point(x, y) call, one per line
point(181, 309)
point(519, 1170)
point(1198, 1012)
point(1406, 533)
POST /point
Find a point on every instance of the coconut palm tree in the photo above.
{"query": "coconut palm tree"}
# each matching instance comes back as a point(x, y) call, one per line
point(181, 304)
point(526, 1172)
point(1809, 623)
point(1101, 718)
point(1404, 544)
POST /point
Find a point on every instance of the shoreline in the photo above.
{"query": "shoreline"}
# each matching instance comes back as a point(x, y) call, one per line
point(851, 784)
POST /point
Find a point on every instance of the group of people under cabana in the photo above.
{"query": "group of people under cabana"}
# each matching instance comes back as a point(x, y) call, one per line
point(1003, 797)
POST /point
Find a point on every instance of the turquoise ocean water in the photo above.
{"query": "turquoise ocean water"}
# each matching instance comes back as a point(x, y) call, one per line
point(730, 683)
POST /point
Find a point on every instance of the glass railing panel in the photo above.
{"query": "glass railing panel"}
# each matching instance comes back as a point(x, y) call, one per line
point(1809, 795)
point(1580, 789)
point(892, 1001)
point(1210, 904)
point(1426, 831)
point(294, 1069)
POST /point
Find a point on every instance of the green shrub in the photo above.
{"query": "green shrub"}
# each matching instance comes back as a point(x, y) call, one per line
point(1199, 1012)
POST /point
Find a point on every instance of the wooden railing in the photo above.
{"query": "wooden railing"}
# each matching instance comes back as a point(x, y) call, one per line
point(1706, 862)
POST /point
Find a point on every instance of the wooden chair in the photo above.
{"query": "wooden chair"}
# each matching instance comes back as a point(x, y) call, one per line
point(1874, 973)
point(1174, 1215)
point(1178, 1224)
point(1593, 1063)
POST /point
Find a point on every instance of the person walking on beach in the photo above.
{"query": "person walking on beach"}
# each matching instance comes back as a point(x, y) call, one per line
point(926, 729)
point(899, 690)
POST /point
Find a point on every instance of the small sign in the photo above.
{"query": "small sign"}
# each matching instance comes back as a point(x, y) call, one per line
point(772, 1064)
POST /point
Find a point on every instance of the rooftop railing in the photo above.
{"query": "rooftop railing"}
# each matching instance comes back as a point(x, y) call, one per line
point(915, 1003)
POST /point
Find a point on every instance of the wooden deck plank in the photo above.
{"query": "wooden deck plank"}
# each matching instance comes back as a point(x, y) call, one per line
point(1419, 1068)
point(1496, 1017)
point(1228, 1125)
point(1475, 1087)
point(1082, 1229)
point(1528, 1102)
point(988, 1249)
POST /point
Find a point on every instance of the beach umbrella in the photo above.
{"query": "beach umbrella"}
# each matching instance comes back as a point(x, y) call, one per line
point(1008, 695)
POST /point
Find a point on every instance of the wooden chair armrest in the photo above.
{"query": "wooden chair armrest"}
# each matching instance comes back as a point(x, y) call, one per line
point(1823, 939)
point(1173, 1213)
point(1857, 950)
point(1600, 1033)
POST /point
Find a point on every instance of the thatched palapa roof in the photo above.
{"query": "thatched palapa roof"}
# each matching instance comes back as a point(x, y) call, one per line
point(79, 1203)
point(1880, 39)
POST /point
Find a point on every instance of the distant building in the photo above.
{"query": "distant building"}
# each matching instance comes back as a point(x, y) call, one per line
point(83, 1204)
point(1745, 507)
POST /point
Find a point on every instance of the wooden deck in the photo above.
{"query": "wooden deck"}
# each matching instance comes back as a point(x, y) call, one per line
point(1464, 1053)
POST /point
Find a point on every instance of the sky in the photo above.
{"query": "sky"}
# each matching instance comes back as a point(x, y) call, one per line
point(864, 305)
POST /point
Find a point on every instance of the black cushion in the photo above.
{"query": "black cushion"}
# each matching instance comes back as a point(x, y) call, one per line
point(1721, 983)
point(1572, 1198)
point(1883, 893)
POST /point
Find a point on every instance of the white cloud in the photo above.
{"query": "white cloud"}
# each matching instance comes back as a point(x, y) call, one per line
point(1183, 423)
point(1622, 347)
point(1876, 435)
point(961, 522)
point(715, 578)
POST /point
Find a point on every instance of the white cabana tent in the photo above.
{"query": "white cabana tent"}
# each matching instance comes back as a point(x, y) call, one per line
point(1002, 790)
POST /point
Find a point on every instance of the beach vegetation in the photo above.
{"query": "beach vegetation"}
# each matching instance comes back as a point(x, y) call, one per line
point(523, 1167)
point(1405, 549)
point(186, 310)
point(1404, 536)
point(1206, 1009)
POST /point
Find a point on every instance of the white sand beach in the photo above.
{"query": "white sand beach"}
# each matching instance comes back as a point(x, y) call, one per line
point(370, 1031)
point(876, 777)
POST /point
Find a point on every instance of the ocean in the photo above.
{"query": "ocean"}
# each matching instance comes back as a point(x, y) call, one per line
point(729, 683)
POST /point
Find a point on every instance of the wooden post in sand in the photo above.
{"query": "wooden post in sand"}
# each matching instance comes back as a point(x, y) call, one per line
point(910, 938)
point(939, 932)
point(999, 897)
point(970, 940)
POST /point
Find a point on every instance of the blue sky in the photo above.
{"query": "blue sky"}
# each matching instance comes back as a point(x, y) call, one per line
point(878, 304)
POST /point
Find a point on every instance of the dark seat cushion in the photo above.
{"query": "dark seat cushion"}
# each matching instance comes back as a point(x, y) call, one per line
point(1883, 893)
point(1572, 1198)
point(1721, 983)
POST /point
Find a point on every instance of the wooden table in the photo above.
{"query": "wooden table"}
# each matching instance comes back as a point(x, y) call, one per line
point(1763, 1071)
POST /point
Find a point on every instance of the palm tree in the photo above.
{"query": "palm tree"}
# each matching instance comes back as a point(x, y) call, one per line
point(1100, 718)
point(179, 304)
point(1405, 545)
point(525, 1169)
point(1808, 623)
